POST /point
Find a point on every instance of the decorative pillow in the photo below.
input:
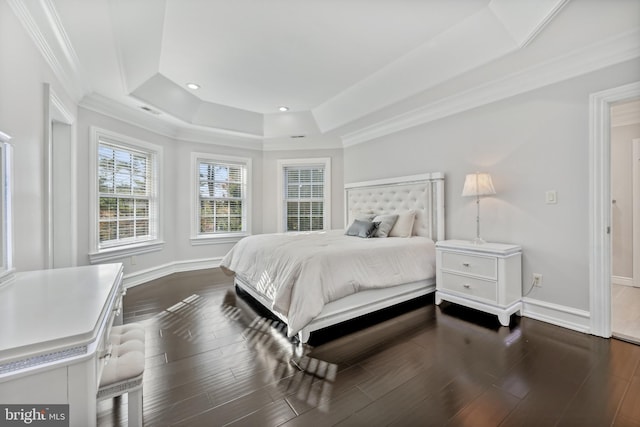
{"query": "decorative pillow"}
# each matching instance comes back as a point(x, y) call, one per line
point(386, 224)
point(362, 215)
point(404, 225)
point(364, 229)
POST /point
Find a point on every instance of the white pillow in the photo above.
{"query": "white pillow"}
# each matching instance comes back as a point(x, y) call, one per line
point(404, 225)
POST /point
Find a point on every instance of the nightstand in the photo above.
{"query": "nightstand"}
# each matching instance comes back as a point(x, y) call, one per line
point(486, 277)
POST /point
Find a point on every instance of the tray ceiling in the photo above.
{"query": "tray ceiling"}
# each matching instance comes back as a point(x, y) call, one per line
point(332, 62)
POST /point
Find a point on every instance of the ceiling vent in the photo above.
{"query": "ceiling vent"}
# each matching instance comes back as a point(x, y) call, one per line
point(150, 110)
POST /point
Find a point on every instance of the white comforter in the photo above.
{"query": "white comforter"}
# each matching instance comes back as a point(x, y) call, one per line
point(299, 273)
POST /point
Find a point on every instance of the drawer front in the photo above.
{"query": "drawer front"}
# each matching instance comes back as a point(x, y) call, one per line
point(471, 287)
point(470, 264)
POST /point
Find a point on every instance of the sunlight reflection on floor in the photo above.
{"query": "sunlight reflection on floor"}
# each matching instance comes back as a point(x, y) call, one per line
point(313, 382)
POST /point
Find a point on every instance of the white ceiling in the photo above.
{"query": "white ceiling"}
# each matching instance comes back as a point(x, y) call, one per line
point(334, 63)
point(258, 55)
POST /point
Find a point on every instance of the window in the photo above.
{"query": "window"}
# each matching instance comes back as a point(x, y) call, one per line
point(124, 186)
point(221, 198)
point(126, 195)
point(6, 244)
point(305, 194)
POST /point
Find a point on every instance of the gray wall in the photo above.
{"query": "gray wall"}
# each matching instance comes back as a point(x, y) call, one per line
point(23, 73)
point(176, 193)
point(530, 144)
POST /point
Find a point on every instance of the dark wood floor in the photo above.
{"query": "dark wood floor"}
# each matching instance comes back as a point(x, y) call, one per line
point(212, 361)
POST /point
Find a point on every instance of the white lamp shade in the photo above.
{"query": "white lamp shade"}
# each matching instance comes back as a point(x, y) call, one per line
point(478, 184)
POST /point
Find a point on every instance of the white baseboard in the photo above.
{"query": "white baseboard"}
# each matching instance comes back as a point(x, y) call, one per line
point(144, 276)
point(624, 281)
point(559, 315)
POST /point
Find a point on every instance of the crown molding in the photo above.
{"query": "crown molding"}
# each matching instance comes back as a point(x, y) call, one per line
point(519, 25)
point(108, 107)
point(60, 112)
point(581, 61)
point(191, 133)
point(316, 142)
point(544, 22)
point(219, 137)
point(42, 23)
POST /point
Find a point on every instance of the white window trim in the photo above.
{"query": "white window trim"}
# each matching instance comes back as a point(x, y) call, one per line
point(7, 269)
point(219, 238)
point(135, 248)
point(318, 161)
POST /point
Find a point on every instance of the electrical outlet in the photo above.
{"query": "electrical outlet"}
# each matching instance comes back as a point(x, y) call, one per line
point(134, 260)
point(537, 280)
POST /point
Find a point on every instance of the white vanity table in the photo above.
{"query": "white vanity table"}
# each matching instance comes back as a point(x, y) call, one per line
point(54, 327)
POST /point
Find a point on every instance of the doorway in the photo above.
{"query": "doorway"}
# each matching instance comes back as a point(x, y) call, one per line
point(600, 104)
point(625, 220)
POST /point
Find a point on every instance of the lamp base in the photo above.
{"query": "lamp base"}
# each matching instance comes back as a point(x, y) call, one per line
point(478, 241)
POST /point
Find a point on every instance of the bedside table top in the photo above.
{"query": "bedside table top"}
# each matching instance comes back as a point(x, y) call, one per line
point(485, 248)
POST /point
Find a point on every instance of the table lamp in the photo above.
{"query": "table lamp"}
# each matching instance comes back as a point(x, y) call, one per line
point(478, 184)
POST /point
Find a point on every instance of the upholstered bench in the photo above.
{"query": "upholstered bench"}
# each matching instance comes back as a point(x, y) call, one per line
point(124, 369)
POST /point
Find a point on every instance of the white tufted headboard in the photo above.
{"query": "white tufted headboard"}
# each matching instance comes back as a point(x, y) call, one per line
point(423, 193)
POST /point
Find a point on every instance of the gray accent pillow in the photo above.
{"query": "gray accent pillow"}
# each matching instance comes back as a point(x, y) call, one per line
point(365, 229)
point(386, 224)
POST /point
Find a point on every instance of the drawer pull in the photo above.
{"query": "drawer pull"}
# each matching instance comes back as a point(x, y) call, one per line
point(466, 264)
point(466, 286)
point(107, 355)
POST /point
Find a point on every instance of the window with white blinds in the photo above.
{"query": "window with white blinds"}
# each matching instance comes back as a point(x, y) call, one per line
point(306, 194)
point(125, 188)
point(125, 191)
point(222, 189)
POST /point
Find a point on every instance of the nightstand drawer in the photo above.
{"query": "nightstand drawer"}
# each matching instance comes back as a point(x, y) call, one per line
point(470, 264)
point(476, 288)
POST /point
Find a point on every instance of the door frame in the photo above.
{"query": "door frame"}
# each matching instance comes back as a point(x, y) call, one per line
point(600, 203)
point(635, 251)
point(60, 182)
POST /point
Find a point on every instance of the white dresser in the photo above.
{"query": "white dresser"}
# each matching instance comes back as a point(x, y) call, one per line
point(485, 277)
point(54, 327)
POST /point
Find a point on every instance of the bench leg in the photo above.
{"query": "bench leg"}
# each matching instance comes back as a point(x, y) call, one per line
point(135, 408)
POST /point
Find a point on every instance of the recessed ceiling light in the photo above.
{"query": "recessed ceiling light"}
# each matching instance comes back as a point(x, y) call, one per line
point(193, 86)
point(283, 108)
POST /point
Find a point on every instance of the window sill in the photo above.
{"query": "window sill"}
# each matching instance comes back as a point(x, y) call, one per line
point(119, 252)
point(217, 239)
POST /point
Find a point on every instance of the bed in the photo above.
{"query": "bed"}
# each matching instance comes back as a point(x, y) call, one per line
point(314, 280)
